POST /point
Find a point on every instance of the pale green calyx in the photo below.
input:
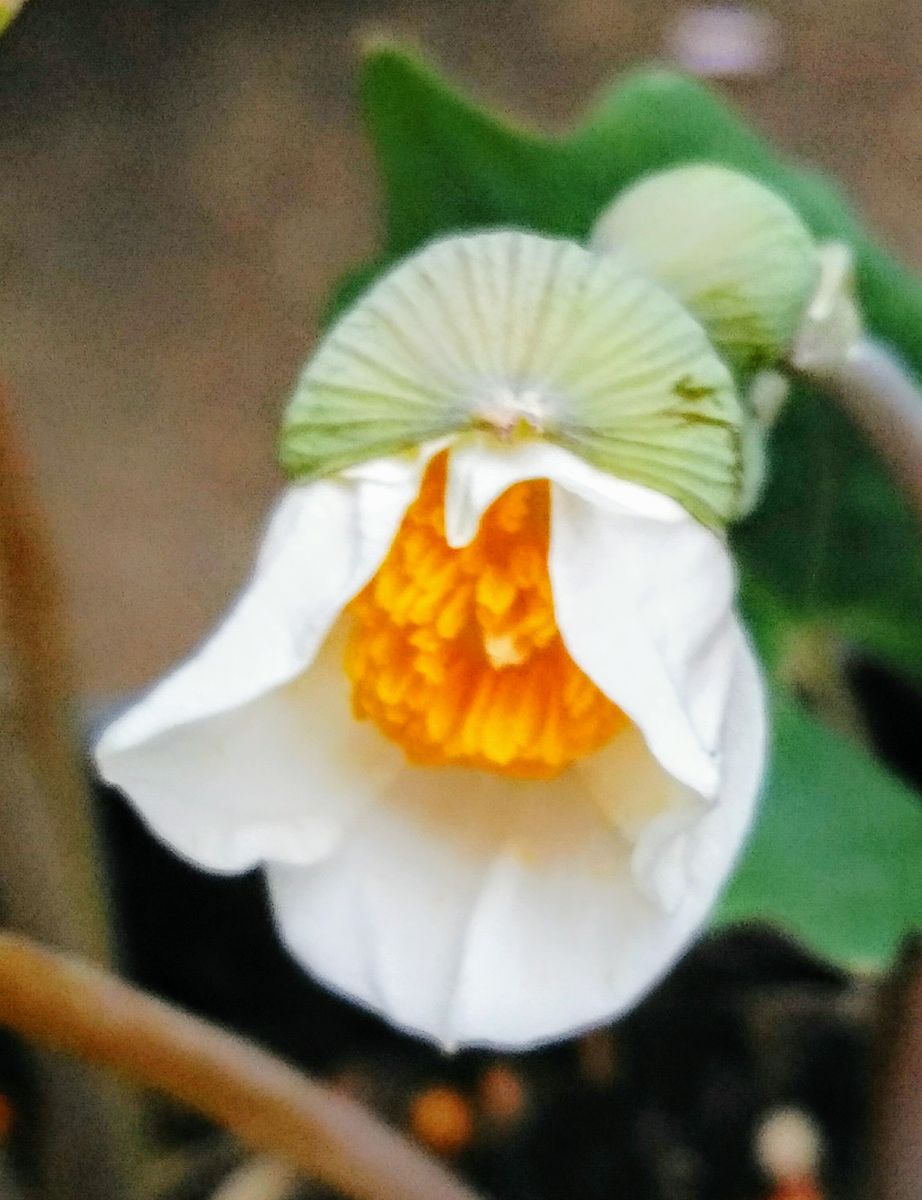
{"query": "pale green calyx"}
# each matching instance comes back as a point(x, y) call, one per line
point(731, 250)
point(524, 336)
point(831, 325)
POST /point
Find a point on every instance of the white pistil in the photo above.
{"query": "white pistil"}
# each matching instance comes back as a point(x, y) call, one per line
point(503, 650)
point(508, 411)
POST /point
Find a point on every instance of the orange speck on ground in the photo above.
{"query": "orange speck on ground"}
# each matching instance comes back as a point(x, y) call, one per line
point(502, 1095)
point(797, 1189)
point(442, 1119)
point(455, 654)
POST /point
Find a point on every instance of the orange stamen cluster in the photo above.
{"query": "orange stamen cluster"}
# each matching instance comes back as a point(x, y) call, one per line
point(455, 653)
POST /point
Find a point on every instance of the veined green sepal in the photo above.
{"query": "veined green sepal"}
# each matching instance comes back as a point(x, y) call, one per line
point(730, 249)
point(525, 336)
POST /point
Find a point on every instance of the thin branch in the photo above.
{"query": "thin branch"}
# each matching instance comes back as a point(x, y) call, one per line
point(38, 725)
point(48, 851)
point(74, 1007)
point(897, 1162)
point(259, 1178)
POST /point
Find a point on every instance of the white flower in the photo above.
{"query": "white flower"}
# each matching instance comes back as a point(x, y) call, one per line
point(484, 711)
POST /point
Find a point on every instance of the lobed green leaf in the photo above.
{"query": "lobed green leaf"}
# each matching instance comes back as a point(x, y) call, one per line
point(835, 853)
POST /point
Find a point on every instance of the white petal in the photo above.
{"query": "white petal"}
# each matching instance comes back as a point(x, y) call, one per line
point(280, 777)
point(224, 760)
point(479, 472)
point(477, 910)
point(695, 850)
point(643, 594)
point(645, 608)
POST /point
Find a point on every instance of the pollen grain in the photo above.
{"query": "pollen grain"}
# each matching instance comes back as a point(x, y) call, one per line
point(455, 654)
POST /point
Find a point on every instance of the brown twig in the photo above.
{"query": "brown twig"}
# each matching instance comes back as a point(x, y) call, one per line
point(259, 1178)
point(71, 1006)
point(48, 852)
point(38, 725)
point(897, 1160)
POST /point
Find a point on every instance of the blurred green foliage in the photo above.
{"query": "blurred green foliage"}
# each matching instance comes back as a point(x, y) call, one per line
point(836, 852)
point(836, 856)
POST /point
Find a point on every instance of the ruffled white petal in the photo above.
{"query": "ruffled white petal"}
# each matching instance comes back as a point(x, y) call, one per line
point(474, 909)
point(645, 608)
point(228, 759)
point(643, 594)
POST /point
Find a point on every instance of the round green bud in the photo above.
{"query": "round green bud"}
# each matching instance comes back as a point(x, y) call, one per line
point(731, 250)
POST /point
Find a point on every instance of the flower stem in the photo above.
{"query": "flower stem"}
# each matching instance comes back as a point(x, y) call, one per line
point(877, 391)
point(69, 1005)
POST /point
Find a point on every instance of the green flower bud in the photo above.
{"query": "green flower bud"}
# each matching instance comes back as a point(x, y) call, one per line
point(525, 337)
point(764, 398)
point(734, 253)
point(831, 325)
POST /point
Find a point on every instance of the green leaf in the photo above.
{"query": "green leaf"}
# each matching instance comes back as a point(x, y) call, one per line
point(348, 289)
point(448, 167)
point(835, 853)
point(833, 539)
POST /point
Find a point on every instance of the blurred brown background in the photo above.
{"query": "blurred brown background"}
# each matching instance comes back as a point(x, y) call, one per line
point(180, 185)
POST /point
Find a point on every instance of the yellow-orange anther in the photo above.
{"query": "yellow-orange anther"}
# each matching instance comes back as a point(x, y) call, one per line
point(455, 653)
